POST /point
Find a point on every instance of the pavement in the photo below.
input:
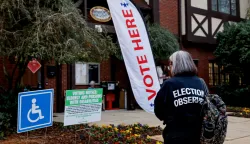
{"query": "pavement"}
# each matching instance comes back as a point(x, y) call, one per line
point(238, 128)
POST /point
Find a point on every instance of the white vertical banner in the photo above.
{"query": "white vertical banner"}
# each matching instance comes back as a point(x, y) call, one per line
point(136, 50)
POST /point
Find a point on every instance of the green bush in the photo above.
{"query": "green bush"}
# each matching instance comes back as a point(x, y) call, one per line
point(234, 96)
point(163, 42)
point(232, 51)
point(8, 111)
point(5, 124)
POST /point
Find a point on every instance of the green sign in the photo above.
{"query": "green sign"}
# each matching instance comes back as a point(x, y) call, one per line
point(83, 106)
point(78, 97)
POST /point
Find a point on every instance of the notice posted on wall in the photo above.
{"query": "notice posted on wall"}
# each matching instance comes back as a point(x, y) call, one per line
point(83, 106)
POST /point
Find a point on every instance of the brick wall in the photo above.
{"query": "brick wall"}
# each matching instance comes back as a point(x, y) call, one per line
point(50, 83)
point(105, 70)
point(202, 52)
point(169, 15)
point(9, 68)
point(121, 73)
point(64, 79)
point(203, 55)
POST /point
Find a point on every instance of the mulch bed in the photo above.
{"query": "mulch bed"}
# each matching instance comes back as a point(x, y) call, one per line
point(239, 112)
point(85, 134)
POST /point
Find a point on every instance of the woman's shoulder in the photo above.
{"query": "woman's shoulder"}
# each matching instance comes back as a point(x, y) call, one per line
point(181, 79)
point(170, 81)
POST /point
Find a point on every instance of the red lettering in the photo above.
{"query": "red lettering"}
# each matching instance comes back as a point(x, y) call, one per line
point(142, 59)
point(130, 23)
point(134, 33)
point(148, 77)
point(143, 70)
point(127, 13)
point(153, 93)
point(137, 42)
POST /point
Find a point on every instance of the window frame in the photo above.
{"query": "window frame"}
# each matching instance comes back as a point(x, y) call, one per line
point(222, 77)
point(217, 12)
point(87, 73)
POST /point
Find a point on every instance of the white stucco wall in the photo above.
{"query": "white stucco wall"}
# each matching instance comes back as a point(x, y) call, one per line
point(244, 5)
point(202, 4)
point(195, 24)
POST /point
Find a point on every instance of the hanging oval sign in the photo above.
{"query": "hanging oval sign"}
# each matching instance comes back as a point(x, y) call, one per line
point(100, 14)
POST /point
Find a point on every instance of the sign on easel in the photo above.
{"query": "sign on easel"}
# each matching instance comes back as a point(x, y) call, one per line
point(35, 110)
point(82, 106)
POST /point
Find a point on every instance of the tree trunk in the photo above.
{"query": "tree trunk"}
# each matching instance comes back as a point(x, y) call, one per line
point(22, 69)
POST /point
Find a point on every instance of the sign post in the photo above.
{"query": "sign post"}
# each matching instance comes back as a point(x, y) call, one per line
point(83, 106)
point(35, 110)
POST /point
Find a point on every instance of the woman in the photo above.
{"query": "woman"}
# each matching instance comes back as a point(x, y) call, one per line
point(161, 72)
point(92, 85)
point(178, 102)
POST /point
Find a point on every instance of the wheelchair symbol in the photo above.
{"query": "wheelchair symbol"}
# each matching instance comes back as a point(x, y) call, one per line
point(34, 110)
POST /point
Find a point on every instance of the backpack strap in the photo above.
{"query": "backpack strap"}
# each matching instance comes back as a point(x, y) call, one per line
point(206, 90)
point(206, 93)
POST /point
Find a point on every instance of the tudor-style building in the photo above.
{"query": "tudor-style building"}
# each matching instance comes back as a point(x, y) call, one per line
point(196, 22)
point(200, 21)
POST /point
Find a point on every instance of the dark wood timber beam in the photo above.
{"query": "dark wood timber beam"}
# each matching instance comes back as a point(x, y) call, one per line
point(154, 4)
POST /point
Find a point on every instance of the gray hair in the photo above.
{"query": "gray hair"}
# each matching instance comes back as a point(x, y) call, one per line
point(92, 83)
point(182, 63)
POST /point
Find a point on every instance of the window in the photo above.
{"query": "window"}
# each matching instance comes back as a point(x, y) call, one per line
point(196, 62)
point(225, 6)
point(216, 75)
point(86, 72)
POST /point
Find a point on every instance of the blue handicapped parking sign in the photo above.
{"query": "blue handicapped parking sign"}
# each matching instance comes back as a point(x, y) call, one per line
point(35, 110)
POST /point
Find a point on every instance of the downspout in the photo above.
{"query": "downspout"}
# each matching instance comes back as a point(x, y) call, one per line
point(155, 6)
point(59, 104)
point(180, 23)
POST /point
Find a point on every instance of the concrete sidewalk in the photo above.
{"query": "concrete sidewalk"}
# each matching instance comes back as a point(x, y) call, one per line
point(238, 128)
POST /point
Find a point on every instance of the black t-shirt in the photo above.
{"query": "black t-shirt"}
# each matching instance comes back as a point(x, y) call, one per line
point(178, 105)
